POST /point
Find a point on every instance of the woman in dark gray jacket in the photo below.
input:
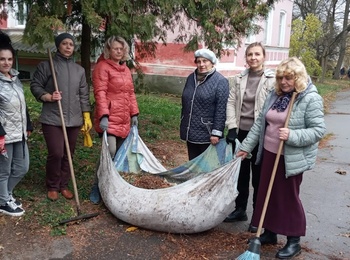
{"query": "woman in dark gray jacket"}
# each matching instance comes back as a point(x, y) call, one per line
point(204, 100)
point(74, 96)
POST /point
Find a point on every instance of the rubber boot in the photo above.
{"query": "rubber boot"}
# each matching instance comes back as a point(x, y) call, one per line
point(238, 214)
point(291, 249)
point(268, 238)
point(95, 196)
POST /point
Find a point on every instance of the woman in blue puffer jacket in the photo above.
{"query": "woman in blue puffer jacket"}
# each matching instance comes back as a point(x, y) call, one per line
point(285, 214)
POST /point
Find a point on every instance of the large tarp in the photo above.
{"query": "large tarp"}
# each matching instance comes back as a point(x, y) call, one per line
point(134, 156)
point(191, 206)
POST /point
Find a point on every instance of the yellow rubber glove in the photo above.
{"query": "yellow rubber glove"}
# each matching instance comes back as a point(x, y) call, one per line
point(87, 122)
point(86, 129)
point(87, 139)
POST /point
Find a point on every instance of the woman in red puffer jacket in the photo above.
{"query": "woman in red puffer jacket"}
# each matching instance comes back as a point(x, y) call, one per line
point(116, 106)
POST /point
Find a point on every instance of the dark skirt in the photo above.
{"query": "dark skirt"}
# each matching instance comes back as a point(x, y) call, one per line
point(285, 214)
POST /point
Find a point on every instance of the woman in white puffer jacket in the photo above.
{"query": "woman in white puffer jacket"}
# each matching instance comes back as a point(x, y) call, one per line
point(15, 127)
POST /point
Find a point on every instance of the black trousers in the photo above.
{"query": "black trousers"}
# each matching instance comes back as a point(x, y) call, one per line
point(247, 166)
point(195, 149)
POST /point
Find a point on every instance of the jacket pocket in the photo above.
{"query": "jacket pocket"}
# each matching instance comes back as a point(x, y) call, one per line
point(208, 122)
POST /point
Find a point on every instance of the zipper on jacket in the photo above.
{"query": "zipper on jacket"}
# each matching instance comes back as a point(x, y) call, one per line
point(68, 103)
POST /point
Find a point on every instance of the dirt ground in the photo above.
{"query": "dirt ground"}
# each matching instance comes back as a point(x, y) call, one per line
point(106, 237)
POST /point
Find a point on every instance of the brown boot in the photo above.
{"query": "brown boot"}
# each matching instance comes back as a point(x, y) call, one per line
point(67, 194)
point(52, 195)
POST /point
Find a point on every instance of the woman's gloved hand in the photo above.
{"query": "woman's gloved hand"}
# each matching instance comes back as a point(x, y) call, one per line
point(231, 136)
point(104, 123)
point(134, 121)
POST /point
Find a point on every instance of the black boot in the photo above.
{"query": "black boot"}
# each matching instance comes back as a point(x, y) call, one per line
point(292, 248)
point(238, 214)
point(268, 238)
point(252, 229)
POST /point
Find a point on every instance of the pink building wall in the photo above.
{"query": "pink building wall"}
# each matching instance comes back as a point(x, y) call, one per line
point(3, 24)
point(171, 60)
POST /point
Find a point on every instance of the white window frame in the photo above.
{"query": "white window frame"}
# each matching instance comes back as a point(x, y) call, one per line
point(268, 29)
point(282, 28)
point(12, 19)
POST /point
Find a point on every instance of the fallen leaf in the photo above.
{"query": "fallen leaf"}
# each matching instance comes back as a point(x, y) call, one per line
point(341, 172)
point(131, 229)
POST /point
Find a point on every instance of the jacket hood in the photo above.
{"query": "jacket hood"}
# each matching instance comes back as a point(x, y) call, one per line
point(309, 89)
point(101, 58)
point(13, 73)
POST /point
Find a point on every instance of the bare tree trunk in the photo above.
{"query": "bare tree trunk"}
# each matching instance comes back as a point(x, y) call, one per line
point(343, 38)
point(86, 50)
point(323, 65)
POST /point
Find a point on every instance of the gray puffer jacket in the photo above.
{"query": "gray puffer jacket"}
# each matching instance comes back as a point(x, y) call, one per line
point(14, 117)
point(71, 82)
point(306, 125)
point(203, 111)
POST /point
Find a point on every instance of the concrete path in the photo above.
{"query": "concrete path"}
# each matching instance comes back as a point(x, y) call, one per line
point(325, 193)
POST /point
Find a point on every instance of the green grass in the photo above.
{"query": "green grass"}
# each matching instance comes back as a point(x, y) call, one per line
point(330, 87)
point(159, 117)
point(158, 120)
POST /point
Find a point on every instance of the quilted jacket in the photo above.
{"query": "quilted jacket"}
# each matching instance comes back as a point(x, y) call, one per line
point(14, 118)
point(115, 96)
point(237, 90)
point(306, 125)
point(204, 108)
point(71, 82)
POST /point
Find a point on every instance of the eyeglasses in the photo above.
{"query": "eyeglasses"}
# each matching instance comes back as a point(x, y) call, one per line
point(290, 77)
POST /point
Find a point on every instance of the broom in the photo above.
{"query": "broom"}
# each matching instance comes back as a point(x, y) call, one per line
point(253, 252)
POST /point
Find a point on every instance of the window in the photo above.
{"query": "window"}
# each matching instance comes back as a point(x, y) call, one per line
point(17, 15)
point(268, 29)
point(250, 38)
point(282, 29)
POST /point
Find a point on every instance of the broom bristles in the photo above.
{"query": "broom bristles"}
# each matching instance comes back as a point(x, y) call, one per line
point(253, 252)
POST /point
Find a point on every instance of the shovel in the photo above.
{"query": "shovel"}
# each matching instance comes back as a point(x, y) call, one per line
point(76, 196)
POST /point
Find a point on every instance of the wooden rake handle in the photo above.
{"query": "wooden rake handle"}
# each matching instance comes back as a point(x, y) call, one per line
point(272, 179)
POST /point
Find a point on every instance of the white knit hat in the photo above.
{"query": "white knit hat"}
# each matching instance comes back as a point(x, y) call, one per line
point(206, 53)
